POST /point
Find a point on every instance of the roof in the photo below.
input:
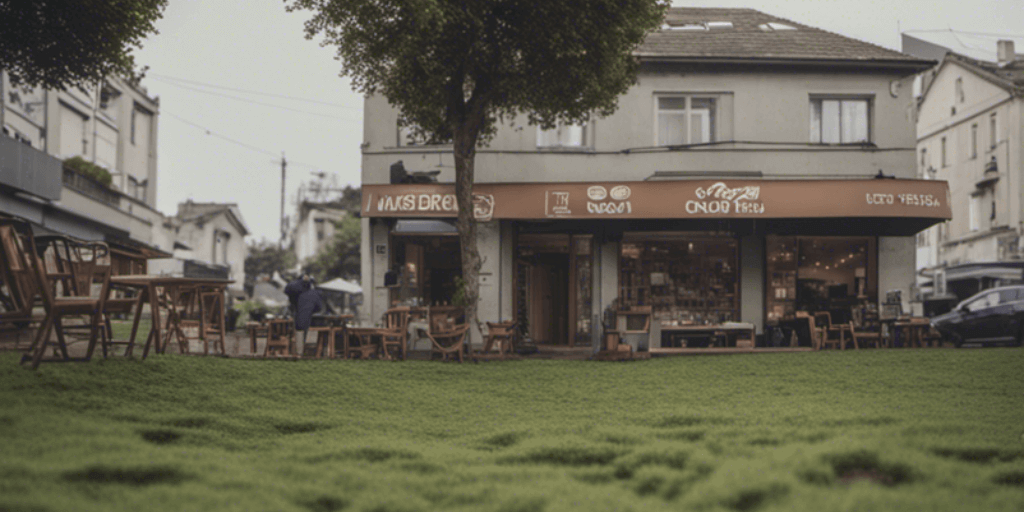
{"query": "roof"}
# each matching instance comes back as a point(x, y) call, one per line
point(691, 33)
point(202, 212)
point(1009, 76)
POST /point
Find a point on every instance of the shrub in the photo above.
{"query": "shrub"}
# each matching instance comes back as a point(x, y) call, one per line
point(84, 167)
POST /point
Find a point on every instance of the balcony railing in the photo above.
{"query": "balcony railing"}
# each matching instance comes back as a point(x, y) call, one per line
point(28, 169)
point(91, 188)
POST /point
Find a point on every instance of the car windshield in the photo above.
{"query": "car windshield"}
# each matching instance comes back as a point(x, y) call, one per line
point(985, 301)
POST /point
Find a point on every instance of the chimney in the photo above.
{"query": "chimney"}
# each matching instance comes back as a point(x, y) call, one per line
point(1004, 51)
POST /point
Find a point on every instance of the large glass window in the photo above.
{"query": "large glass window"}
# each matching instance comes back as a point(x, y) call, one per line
point(815, 274)
point(686, 120)
point(686, 279)
point(839, 121)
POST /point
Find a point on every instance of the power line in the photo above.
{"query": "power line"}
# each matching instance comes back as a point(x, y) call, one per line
point(238, 142)
point(252, 102)
point(249, 91)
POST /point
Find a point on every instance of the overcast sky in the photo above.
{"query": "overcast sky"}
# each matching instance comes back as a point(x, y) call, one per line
point(218, 141)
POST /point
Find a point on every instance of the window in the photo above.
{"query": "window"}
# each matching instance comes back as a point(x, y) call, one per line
point(975, 213)
point(993, 135)
point(136, 188)
point(974, 141)
point(924, 162)
point(959, 91)
point(135, 113)
point(319, 226)
point(923, 239)
point(839, 121)
point(985, 301)
point(686, 120)
point(945, 161)
point(562, 136)
point(407, 136)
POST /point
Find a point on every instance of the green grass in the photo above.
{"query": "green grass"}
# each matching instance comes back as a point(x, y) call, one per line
point(122, 329)
point(866, 430)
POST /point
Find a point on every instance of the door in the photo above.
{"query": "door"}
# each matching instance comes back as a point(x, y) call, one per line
point(548, 298)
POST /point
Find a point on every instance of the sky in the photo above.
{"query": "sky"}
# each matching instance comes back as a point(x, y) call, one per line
point(239, 85)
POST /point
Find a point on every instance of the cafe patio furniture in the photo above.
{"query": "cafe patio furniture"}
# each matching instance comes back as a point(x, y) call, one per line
point(448, 343)
point(326, 331)
point(396, 325)
point(817, 334)
point(165, 292)
point(363, 342)
point(18, 283)
point(85, 298)
point(832, 332)
point(280, 333)
point(865, 337)
point(500, 335)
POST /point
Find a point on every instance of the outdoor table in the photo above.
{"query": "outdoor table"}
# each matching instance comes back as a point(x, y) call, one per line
point(326, 334)
point(365, 335)
point(911, 331)
point(744, 332)
point(173, 286)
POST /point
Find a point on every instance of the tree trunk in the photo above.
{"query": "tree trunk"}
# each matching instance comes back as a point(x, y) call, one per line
point(464, 145)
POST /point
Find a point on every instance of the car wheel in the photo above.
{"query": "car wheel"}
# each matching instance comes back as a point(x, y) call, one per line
point(958, 341)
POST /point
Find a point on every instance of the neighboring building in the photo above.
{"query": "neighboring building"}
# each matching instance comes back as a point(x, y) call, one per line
point(112, 125)
point(209, 241)
point(736, 182)
point(970, 132)
point(314, 227)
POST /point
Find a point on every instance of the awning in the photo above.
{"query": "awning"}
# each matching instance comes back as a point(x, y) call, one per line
point(894, 207)
point(424, 227)
point(340, 285)
point(1009, 271)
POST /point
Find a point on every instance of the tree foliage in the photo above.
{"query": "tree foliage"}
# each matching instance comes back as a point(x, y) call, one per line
point(62, 43)
point(455, 69)
point(264, 258)
point(339, 257)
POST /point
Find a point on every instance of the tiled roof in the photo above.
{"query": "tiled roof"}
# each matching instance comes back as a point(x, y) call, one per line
point(1009, 76)
point(750, 37)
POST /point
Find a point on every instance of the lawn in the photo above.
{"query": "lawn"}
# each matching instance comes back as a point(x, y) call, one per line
point(865, 430)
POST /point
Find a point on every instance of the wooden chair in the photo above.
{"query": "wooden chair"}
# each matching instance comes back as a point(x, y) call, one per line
point(449, 342)
point(833, 333)
point(279, 337)
point(18, 284)
point(211, 325)
point(396, 332)
point(502, 334)
point(363, 342)
point(865, 337)
point(92, 284)
point(818, 339)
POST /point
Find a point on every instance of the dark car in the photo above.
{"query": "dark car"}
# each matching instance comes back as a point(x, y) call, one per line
point(991, 316)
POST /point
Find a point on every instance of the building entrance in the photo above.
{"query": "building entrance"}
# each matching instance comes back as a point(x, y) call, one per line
point(553, 288)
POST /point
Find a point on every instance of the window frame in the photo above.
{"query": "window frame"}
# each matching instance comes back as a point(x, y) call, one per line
point(714, 118)
point(974, 141)
point(585, 142)
point(818, 99)
point(993, 129)
point(944, 155)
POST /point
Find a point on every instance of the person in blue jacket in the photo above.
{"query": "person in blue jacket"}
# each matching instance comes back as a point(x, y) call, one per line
point(305, 300)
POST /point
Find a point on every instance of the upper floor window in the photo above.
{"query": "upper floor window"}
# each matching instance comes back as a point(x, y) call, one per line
point(974, 141)
point(959, 90)
point(993, 131)
point(945, 158)
point(840, 121)
point(686, 120)
point(924, 162)
point(320, 229)
point(562, 136)
point(136, 188)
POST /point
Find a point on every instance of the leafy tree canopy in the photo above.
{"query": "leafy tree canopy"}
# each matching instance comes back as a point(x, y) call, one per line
point(441, 61)
point(265, 257)
point(62, 43)
point(340, 257)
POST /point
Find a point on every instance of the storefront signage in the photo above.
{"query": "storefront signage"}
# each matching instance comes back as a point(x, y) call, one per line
point(720, 198)
point(698, 199)
point(426, 203)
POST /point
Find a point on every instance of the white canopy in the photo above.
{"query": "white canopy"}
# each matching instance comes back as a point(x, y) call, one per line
point(340, 285)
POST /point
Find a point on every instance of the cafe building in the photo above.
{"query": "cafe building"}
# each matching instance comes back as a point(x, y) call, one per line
point(758, 169)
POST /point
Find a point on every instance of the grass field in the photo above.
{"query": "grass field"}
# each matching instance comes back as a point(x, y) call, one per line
point(865, 430)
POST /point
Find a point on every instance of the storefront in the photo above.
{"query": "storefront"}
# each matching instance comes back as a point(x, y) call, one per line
point(700, 252)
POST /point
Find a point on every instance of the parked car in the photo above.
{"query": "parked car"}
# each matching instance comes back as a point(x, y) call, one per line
point(995, 315)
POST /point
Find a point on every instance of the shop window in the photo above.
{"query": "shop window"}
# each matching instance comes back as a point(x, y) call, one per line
point(424, 269)
point(840, 121)
point(686, 279)
point(686, 120)
point(562, 136)
point(818, 274)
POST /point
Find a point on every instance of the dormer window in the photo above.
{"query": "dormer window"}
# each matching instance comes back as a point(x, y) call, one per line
point(774, 26)
point(690, 27)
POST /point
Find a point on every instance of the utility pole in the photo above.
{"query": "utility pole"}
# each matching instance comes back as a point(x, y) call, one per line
point(284, 166)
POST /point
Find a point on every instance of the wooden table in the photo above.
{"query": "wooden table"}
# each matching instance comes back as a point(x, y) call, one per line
point(744, 333)
point(326, 334)
point(173, 287)
point(912, 331)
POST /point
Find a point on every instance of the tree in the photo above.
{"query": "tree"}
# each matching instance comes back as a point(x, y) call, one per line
point(62, 43)
point(455, 69)
point(264, 258)
point(340, 256)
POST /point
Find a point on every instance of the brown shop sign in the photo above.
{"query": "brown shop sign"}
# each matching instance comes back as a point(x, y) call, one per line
point(669, 200)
